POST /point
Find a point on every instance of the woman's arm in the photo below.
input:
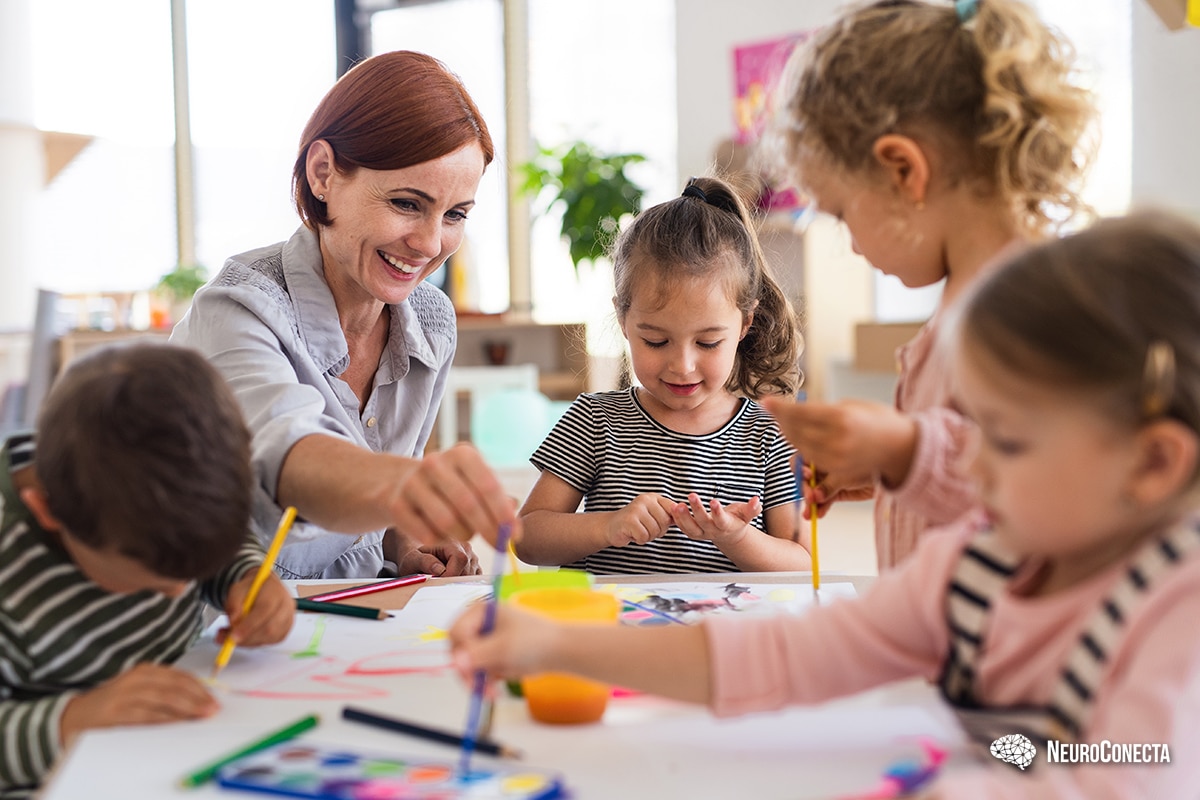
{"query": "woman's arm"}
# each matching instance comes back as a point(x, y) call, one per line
point(343, 487)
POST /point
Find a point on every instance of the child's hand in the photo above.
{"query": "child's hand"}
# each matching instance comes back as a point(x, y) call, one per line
point(850, 442)
point(146, 694)
point(721, 525)
point(643, 520)
point(517, 645)
point(268, 621)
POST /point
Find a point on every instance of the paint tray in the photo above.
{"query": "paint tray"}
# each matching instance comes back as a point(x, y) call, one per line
point(328, 772)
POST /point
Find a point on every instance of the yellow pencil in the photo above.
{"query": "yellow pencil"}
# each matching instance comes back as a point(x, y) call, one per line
point(812, 515)
point(264, 570)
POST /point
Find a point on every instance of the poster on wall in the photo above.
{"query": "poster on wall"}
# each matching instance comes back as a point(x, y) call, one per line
point(757, 69)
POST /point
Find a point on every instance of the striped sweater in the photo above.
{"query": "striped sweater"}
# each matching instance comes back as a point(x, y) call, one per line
point(609, 448)
point(61, 634)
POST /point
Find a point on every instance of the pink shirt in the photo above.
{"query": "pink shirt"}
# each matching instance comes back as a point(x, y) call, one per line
point(1149, 692)
point(936, 491)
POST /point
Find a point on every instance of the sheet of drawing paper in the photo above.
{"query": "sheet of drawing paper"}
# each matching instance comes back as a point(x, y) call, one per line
point(692, 601)
point(328, 657)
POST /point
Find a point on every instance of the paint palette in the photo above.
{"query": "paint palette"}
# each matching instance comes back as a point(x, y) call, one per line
point(324, 772)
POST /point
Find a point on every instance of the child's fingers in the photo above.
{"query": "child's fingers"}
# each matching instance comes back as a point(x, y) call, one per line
point(682, 516)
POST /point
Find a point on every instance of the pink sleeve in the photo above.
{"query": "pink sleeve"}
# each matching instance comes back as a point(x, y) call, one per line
point(1151, 696)
point(896, 630)
point(936, 487)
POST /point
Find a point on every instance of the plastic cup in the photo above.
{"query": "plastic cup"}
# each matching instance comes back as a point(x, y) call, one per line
point(555, 697)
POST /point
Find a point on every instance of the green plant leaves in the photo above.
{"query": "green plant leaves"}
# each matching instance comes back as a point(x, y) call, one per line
point(592, 189)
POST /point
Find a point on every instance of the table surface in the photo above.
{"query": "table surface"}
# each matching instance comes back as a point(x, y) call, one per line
point(645, 747)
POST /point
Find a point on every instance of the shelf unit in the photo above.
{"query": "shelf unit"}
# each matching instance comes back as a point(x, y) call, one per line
point(558, 350)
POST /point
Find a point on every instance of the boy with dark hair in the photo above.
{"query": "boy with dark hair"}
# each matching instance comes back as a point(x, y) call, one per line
point(131, 514)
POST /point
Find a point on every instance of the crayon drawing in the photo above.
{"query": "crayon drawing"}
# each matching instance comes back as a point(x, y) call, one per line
point(339, 658)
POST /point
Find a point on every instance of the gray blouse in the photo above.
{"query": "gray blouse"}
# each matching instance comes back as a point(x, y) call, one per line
point(268, 322)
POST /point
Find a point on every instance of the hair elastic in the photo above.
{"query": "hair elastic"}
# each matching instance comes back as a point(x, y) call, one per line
point(692, 190)
point(1158, 379)
point(966, 10)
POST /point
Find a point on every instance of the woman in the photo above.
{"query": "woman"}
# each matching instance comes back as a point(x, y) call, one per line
point(337, 349)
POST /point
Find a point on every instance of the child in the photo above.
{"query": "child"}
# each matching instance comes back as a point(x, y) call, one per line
point(942, 136)
point(685, 473)
point(1071, 598)
point(133, 511)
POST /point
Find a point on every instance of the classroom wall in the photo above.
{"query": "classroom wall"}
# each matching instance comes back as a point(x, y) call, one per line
point(1166, 113)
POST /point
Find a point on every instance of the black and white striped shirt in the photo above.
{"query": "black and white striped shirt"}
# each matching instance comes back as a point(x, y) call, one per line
point(609, 448)
point(61, 634)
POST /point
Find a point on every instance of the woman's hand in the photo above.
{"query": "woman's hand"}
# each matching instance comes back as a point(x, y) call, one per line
point(453, 494)
point(440, 560)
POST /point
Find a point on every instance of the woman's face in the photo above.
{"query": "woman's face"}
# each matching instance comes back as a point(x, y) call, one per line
point(391, 229)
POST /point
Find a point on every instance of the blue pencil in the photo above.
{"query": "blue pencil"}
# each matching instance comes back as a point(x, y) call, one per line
point(477, 691)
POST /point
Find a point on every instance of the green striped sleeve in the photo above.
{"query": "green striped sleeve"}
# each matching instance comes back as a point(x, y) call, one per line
point(29, 740)
point(247, 560)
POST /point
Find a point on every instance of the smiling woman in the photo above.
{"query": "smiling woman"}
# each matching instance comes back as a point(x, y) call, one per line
point(336, 347)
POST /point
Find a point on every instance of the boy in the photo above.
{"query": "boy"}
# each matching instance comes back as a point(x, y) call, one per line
point(133, 512)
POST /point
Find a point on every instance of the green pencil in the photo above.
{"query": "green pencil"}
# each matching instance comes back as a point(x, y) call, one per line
point(290, 732)
point(304, 604)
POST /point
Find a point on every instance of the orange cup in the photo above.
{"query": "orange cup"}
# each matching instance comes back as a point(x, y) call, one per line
point(556, 697)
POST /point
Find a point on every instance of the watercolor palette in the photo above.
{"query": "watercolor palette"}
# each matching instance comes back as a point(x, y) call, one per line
point(324, 772)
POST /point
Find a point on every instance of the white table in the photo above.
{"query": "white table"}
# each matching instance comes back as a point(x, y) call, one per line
point(645, 747)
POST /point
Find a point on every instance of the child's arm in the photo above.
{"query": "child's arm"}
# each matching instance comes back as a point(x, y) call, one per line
point(35, 732)
point(729, 528)
point(671, 661)
point(271, 617)
point(554, 534)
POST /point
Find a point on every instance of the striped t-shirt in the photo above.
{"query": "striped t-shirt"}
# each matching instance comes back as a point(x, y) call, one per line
point(609, 448)
point(61, 634)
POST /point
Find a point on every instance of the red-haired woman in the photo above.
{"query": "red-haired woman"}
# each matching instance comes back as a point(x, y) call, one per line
point(336, 347)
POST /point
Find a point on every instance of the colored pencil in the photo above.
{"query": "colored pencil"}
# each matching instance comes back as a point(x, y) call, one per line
point(264, 571)
point(206, 774)
point(421, 732)
point(369, 588)
point(480, 687)
point(812, 516)
point(304, 604)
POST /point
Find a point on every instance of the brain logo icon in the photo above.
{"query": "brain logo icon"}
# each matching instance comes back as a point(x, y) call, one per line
point(1014, 749)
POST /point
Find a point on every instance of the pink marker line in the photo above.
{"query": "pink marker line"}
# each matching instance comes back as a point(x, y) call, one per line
point(369, 588)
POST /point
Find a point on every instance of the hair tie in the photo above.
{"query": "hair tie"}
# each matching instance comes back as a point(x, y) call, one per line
point(692, 190)
point(1158, 379)
point(966, 10)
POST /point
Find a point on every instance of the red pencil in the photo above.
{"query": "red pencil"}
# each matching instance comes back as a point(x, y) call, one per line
point(369, 588)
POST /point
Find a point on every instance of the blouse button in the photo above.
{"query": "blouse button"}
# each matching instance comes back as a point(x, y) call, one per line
point(371, 422)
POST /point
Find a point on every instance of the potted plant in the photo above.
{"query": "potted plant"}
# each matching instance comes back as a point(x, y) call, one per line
point(592, 188)
point(174, 291)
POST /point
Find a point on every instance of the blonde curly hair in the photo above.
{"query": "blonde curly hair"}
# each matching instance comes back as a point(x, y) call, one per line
point(997, 94)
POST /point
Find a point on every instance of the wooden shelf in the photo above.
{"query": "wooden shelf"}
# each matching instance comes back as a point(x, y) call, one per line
point(558, 350)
